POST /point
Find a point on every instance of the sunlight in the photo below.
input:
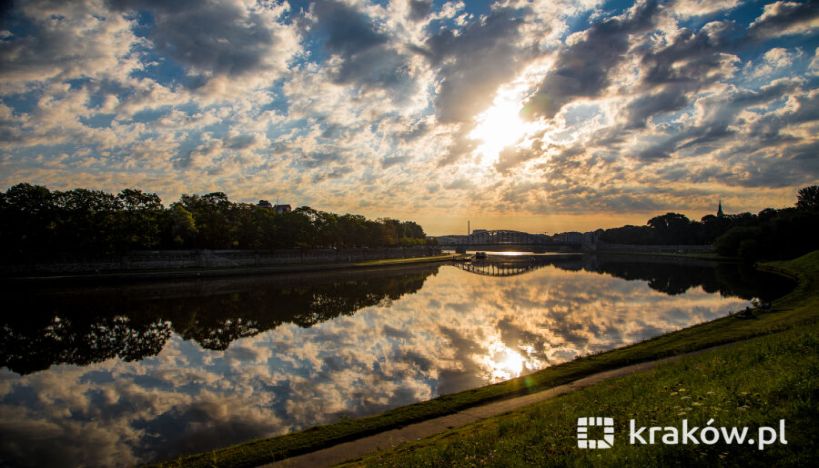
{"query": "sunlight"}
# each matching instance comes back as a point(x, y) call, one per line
point(498, 127)
point(503, 362)
point(501, 126)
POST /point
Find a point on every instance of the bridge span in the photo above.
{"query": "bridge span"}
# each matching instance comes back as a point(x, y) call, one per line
point(500, 240)
point(500, 266)
point(518, 247)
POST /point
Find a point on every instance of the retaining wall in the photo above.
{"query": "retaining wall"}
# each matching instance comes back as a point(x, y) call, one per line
point(180, 259)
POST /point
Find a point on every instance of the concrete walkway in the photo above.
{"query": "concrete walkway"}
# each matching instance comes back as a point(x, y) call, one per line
point(386, 440)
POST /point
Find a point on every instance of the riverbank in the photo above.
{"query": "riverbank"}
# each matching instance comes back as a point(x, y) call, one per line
point(205, 259)
point(750, 384)
point(797, 308)
point(193, 273)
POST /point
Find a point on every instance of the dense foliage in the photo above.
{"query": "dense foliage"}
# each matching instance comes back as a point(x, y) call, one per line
point(772, 233)
point(40, 223)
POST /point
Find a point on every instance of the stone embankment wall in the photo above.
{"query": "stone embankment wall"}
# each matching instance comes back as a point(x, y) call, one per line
point(605, 247)
point(180, 259)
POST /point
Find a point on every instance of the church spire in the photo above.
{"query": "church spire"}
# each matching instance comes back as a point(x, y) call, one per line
point(720, 213)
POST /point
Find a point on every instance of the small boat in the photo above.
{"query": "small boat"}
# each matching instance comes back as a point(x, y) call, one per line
point(480, 255)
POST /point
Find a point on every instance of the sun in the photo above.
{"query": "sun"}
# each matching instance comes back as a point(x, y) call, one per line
point(498, 127)
point(501, 126)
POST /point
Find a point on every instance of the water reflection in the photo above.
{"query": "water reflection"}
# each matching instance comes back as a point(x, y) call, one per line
point(82, 326)
point(115, 376)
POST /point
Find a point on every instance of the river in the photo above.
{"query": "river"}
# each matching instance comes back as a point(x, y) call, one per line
point(119, 375)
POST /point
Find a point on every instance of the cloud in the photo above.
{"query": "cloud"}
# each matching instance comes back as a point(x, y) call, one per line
point(473, 62)
point(368, 58)
point(697, 8)
point(582, 68)
point(240, 39)
point(63, 41)
point(786, 18)
point(814, 63)
point(773, 61)
point(420, 9)
point(670, 74)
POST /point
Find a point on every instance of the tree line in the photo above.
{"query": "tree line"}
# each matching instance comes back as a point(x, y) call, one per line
point(769, 234)
point(41, 223)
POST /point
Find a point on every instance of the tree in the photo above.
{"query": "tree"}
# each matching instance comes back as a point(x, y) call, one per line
point(38, 223)
point(729, 243)
point(139, 222)
point(27, 229)
point(808, 198)
point(86, 221)
point(182, 226)
point(212, 213)
point(671, 228)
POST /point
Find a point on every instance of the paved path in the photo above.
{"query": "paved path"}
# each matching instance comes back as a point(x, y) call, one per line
point(389, 439)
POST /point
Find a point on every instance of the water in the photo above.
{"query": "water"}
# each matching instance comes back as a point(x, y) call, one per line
point(122, 375)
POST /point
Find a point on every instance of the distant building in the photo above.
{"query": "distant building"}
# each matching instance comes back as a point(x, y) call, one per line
point(452, 239)
point(279, 209)
point(720, 213)
point(572, 237)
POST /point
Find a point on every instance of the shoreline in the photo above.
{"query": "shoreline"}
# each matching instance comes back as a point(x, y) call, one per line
point(159, 274)
point(197, 273)
point(787, 312)
point(124, 277)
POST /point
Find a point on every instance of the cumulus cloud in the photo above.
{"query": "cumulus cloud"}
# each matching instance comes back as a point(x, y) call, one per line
point(241, 38)
point(696, 8)
point(63, 41)
point(689, 63)
point(773, 61)
point(786, 18)
point(420, 9)
point(473, 62)
point(368, 57)
point(814, 63)
point(582, 69)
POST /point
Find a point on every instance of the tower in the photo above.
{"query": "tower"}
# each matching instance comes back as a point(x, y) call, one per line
point(720, 213)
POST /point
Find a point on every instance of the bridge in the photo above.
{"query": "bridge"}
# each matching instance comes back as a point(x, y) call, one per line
point(512, 266)
point(482, 239)
point(498, 269)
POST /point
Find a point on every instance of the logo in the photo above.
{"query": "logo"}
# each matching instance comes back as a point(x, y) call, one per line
point(583, 425)
point(709, 434)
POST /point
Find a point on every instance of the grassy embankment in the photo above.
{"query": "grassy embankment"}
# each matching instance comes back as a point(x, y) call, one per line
point(800, 307)
point(748, 384)
point(406, 261)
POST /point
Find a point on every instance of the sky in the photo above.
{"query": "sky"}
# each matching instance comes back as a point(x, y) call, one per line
point(542, 116)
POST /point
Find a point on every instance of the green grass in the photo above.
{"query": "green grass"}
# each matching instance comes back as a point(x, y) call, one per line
point(713, 256)
point(405, 261)
point(749, 384)
point(800, 308)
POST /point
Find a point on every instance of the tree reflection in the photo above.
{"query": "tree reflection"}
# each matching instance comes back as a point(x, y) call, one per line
point(669, 276)
point(82, 326)
point(678, 276)
point(28, 346)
